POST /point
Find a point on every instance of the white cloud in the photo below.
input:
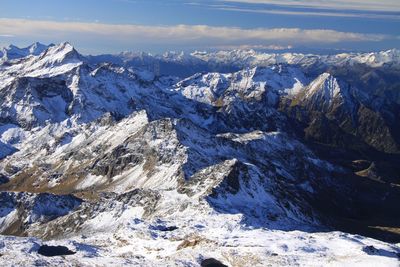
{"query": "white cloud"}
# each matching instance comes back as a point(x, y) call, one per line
point(312, 13)
point(365, 5)
point(179, 34)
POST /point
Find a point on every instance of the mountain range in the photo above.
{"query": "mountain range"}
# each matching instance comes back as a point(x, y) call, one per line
point(237, 157)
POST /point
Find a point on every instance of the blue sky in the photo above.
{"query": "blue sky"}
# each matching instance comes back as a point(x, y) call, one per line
point(110, 26)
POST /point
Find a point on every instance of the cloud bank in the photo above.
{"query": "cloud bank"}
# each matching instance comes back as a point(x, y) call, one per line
point(201, 35)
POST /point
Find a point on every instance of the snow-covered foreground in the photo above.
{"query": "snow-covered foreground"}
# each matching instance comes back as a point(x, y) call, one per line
point(222, 237)
point(176, 236)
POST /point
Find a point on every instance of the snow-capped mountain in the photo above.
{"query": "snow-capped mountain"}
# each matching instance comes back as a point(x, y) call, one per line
point(12, 52)
point(252, 58)
point(186, 64)
point(250, 83)
point(326, 94)
point(257, 165)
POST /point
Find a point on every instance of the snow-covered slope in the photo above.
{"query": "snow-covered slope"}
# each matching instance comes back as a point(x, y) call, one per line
point(138, 242)
point(168, 171)
point(247, 84)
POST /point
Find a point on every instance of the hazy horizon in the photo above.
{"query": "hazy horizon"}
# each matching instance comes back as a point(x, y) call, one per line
point(299, 50)
point(112, 26)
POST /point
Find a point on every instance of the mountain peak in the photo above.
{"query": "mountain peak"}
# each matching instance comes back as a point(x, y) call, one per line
point(62, 53)
point(325, 92)
point(11, 47)
point(39, 60)
point(37, 48)
point(14, 52)
point(325, 84)
point(65, 46)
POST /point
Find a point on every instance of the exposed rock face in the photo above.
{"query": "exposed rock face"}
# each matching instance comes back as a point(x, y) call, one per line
point(20, 210)
point(330, 106)
point(274, 147)
point(32, 101)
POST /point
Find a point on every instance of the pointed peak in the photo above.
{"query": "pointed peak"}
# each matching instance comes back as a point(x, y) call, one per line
point(37, 44)
point(62, 48)
point(61, 53)
point(325, 79)
point(326, 85)
point(326, 75)
point(65, 46)
point(37, 48)
point(11, 46)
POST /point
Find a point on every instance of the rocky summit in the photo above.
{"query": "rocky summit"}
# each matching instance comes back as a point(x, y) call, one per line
point(232, 158)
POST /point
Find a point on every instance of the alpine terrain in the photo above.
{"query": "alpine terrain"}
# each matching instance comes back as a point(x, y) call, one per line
point(230, 158)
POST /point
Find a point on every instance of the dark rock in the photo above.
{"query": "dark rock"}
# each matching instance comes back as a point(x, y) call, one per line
point(370, 250)
point(212, 263)
point(3, 179)
point(116, 162)
point(51, 251)
point(167, 228)
point(160, 226)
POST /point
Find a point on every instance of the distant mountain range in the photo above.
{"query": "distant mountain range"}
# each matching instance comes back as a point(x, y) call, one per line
point(244, 157)
point(184, 64)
